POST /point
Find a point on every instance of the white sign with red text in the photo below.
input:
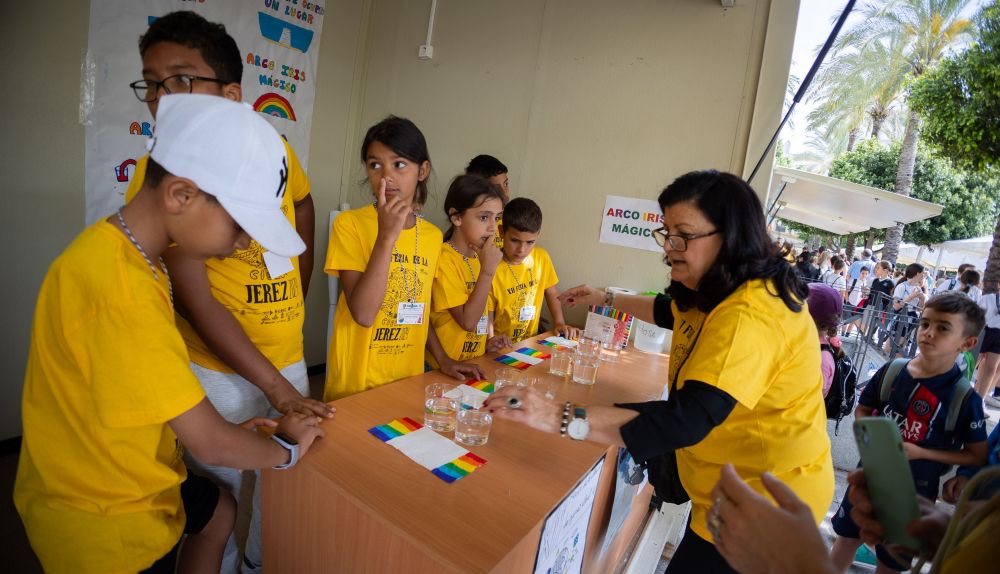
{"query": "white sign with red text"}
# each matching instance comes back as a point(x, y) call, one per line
point(630, 222)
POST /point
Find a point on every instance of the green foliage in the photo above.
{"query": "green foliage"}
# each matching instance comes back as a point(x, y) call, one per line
point(970, 201)
point(959, 101)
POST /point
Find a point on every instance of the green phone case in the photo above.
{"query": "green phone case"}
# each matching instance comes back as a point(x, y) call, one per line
point(890, 482)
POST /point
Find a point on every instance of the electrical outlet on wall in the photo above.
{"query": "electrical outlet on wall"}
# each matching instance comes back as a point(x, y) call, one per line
point(426, 52)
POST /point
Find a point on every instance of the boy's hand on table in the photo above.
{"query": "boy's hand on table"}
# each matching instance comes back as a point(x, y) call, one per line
point(303, 428)
point(287, 400)
point(582, 295)
point(462, 371)
point(497, 343)
point(567, 331)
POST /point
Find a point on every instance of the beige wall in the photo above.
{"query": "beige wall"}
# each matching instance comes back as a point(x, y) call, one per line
point(581, 98)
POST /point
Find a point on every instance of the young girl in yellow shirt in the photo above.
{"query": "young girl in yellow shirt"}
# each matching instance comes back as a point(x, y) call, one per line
point(468, 261)
point(386, 256)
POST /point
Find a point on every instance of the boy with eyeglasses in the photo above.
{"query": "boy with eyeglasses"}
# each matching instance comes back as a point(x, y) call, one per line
point(241, 316)
point(523, 278)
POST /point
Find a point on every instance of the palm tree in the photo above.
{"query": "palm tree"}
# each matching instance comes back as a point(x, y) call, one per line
point(924, 31)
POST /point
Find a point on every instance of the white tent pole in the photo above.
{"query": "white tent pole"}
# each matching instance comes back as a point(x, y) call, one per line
point(920, 254)
point(938, 262)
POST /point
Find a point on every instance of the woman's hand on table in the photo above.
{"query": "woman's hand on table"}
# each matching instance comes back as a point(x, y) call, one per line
point(462, 371)
point(533, 410)
point(582, 295)
point(754, 535)
point(497, 343)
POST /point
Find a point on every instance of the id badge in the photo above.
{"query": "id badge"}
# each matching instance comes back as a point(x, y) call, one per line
point(410, 314)
point(527, 313)
point(481, 325)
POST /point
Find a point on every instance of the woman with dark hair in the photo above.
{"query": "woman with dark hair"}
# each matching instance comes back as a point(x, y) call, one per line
point(744, 370)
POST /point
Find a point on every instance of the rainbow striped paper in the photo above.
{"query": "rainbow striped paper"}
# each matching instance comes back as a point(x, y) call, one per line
point(395, 428)
point(558, 343)
point(485, 386)
point(445, 459)
point(458, 468)
point(523, 358)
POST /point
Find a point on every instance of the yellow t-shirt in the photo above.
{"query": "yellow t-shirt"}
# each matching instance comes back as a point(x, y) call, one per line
point(518, 288)
point(98, 481)
point(453, 283)
point(362, 358)
point(762, 354)
point(271, 311)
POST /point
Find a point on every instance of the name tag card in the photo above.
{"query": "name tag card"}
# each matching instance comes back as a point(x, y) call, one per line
point(527, 313)
point(410, 314)
point(481, 325)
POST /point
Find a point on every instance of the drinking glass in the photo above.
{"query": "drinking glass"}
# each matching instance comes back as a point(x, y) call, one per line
point(585, 368)
point(610, 348)
point(473, 427)
point(561, 364)
point(508, 377)
point(439, 408)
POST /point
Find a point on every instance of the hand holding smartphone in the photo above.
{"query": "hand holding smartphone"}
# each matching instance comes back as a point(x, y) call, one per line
point(890, 482)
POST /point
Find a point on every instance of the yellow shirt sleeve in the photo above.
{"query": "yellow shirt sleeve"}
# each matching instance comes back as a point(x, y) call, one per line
point(452, 282)
point(347, 249)
point(298, 181)
point(735, 352)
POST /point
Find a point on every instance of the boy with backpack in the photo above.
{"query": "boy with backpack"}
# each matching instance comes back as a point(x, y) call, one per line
point(928, 398)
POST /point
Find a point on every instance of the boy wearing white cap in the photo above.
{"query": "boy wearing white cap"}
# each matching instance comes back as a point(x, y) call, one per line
point(108, 390)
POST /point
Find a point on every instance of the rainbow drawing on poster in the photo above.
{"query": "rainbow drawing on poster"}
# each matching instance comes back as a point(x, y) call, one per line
point(394, 428)
point(274, 105)
point(458, 468)
point(485, 386)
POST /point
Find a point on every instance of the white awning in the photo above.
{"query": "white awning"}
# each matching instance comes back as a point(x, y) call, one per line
point(839, 206)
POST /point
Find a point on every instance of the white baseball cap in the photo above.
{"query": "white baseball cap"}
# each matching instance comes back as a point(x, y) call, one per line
point(232, 153)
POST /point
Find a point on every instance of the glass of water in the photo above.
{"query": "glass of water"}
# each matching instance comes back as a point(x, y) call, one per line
point(561, 364)
point(610, 347)
point(473, 427)
point(507, 377)
point(585, 368)
point(439, 407)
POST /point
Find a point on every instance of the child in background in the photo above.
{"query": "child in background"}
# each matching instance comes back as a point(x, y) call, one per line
point(825, 306)
point(386, 256)
point(970, 284)
point(492, 169)
point(919, 403)
point(524, 277)
point(468, 262)
point(108, 389)
point(856, 293)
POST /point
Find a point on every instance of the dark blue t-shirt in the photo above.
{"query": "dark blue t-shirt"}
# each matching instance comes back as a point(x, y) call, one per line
point(919, 407)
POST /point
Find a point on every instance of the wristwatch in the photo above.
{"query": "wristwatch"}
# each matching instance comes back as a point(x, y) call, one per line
point(289, 444)
point(579, 426)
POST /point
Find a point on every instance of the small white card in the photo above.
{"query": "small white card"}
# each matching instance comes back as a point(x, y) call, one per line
point(410, 314)
point(427, 448)
point(481, 325)
point(527, 313)
point(277, 265)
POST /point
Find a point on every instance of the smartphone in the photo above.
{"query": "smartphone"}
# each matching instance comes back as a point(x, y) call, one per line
point(890, 482)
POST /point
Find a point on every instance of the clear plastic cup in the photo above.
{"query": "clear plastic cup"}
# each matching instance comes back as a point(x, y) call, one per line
point(440, 407)
point(561, 364)
point(473, 427)
point(508, 377)
point(610, 347)
point(585, 368)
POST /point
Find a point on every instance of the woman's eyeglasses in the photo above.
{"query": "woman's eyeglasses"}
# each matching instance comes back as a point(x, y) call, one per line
point(678, 241)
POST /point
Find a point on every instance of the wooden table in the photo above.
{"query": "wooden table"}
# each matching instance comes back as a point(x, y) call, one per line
point(355, 504)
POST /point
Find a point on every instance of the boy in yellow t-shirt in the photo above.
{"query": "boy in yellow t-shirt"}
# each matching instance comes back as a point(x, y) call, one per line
point(241, 316)
point(108, 392)
point(523, 278)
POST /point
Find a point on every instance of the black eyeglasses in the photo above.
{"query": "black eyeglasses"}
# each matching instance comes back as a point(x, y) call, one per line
point(678, 241)
point(148, 90)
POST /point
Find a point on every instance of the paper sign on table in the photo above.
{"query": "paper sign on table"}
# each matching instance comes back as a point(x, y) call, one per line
point(445, 459)
point(523, 358)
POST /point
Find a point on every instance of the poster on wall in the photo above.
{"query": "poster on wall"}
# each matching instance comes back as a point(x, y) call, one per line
point(564, 533)
point(279, 46)
point(630, 222)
